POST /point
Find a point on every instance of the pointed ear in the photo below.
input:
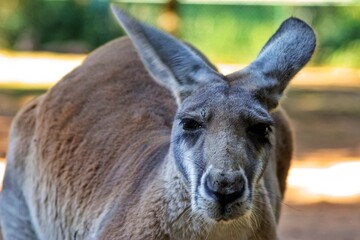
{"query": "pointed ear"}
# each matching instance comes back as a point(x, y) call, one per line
point(287, 51)
point(171, 63)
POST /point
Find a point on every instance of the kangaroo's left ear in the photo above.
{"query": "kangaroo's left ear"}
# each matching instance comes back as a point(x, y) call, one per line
point(172, 63)
point(287, 51)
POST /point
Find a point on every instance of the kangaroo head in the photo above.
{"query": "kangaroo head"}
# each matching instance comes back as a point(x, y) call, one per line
point(222, 134)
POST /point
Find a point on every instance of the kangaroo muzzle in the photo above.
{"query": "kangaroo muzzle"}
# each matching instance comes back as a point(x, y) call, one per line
point(225, 186)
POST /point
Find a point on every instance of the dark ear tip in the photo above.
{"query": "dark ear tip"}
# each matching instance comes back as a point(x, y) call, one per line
point(128, 23)
point(296, 24)
point(120, 14)
point(301, 29)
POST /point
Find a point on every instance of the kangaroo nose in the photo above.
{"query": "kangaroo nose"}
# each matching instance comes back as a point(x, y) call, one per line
point(224, 187)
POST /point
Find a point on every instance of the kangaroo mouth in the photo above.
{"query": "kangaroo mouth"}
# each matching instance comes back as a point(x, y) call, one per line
point(220, 211)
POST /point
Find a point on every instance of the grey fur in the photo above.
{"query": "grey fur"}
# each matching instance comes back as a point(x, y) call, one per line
point(287, 51)
point(172, 63)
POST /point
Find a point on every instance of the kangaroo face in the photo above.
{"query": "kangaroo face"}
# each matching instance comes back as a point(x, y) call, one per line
point(221, 142)
point(222, 133)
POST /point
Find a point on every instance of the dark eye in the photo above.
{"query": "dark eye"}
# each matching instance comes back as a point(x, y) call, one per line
point(260, 129)
point(190, 124)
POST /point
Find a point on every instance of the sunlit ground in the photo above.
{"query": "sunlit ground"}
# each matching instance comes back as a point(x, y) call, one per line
point(35, 69)
point(45, 69)
point(315, 76)
point(308, 181)
point(336, 183)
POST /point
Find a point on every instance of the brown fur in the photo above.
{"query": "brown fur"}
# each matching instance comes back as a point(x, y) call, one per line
point(87, 155)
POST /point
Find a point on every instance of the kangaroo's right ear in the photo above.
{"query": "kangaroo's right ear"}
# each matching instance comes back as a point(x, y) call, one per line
point(172, 63)
point(287, 51)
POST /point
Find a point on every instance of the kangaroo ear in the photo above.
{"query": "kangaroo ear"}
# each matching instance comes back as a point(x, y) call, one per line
point(287, 51)
point(172, 63)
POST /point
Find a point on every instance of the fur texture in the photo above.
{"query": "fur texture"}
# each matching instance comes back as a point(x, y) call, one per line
point(103, 155)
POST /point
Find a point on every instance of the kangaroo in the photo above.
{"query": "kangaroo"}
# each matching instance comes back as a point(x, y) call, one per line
point(147, 140)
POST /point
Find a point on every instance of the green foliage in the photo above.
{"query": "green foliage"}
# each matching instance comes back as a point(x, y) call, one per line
point(226, 33)
point(48, 25)
point(338, 30)
point(236, 33)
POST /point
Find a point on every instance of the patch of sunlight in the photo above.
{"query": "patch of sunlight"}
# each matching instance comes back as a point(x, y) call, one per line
point(312, 76)
point(42, 69)
point(229, 68)
point(338, 180)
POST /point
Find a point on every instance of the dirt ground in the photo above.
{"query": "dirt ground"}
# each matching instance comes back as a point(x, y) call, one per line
point(320, 221)
point(325, 121)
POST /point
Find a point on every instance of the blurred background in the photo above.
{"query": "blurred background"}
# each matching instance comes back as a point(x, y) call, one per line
point(42, 40)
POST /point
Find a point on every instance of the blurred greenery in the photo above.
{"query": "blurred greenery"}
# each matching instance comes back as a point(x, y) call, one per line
point(226, 33)
point(237, 33)
point(55, 25)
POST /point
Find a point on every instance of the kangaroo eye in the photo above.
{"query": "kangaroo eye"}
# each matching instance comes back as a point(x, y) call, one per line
point(190, 124)
point(260, 129)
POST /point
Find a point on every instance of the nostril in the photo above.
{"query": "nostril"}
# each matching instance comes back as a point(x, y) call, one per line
point(224, 191)
point(224, 198)
point(224, 184)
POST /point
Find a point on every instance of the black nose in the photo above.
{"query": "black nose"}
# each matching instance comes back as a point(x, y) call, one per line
point(224, 187)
